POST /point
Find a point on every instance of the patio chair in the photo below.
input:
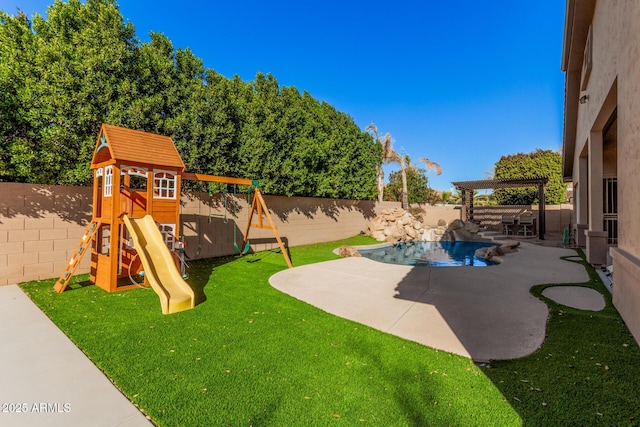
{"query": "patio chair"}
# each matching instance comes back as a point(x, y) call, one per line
point(507, 222)
point(526, 225)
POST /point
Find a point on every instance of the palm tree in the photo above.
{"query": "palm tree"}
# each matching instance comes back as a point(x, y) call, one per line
point(388, 155)
point(431, 165)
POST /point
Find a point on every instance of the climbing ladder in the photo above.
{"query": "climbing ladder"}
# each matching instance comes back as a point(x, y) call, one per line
point(74, 261)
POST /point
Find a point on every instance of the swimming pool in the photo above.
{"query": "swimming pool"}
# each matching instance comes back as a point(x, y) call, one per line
point(435, 254)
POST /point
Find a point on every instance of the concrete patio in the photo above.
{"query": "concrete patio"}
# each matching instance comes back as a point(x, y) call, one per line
point(485, 313)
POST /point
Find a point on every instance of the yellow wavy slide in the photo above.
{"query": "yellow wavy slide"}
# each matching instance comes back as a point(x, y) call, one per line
point(159, 267)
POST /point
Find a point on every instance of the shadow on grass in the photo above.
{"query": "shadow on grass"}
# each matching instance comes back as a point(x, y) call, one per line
point(199, 272)
point(270, 241)
point(586, 371)
point(79, 284)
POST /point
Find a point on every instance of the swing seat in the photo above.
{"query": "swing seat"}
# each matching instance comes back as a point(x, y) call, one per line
point(245, 250)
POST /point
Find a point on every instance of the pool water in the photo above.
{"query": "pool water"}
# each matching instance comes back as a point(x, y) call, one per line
point(435, 254)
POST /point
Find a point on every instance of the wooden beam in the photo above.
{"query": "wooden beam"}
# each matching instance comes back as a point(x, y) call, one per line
point(542, 217)
point(259, 207)
point(215, 178)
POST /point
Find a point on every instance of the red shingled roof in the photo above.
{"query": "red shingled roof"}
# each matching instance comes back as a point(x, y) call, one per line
point(134, 147)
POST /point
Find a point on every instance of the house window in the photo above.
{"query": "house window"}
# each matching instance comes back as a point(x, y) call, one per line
point(610, 204)
point(108, 181)
point(168, 232)
point(587, 62)
point(164, 185)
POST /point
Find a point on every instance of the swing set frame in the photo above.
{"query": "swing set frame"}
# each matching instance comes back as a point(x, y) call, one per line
point(258, 208)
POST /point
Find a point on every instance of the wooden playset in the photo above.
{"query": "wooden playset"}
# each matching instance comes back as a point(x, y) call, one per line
point(138, 174)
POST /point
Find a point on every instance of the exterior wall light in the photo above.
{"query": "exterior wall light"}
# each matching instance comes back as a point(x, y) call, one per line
point(584, 99)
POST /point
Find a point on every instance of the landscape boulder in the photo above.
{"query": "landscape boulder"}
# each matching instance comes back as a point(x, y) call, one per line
point(348, 251)
point(397, 225)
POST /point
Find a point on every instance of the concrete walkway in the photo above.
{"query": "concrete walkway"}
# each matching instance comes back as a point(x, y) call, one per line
point(577, 297)
point(46, 381)
point(485, 313)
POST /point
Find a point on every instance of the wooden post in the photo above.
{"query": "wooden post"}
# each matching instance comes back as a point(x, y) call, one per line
point(259, 206)
point(541, 213)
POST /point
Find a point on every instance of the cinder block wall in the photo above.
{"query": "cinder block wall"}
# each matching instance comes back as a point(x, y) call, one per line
point(208, 222)
point(558, 216)
point(40, 226)
point(431, 215)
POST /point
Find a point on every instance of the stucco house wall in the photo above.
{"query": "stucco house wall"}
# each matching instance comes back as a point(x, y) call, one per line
point(604, 37)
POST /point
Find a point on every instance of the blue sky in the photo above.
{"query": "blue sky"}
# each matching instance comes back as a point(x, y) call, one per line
point(461, 83)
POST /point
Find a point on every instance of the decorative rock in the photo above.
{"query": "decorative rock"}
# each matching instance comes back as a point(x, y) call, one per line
point(495, 250)
point(471, 227)
point(397, 231)
point(376, 226)
point(378, 235)
point(410, 232)
point(510, 243)
point(456, 224)
point(396, 225)
point(489, 253)
point(348, 251)
point(407, 218)
point(509, 246)
point(461, 234)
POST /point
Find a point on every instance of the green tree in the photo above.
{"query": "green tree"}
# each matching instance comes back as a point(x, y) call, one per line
point(17, 50)
point(487, 199)
point(70, 75)
point(540, 163)
point(431, 166)
point(62, 77)
point(416, 184)
point(298, 146)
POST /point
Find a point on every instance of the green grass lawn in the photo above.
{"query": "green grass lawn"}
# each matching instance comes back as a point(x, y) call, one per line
point(586, 373)
point(251, 355)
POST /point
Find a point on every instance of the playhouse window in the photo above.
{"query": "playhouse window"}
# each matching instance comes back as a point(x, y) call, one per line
point(137, 177)
point(104, 239)
point(134, 170)
point(108, 181)
point(164, 184)
point(168, 232)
